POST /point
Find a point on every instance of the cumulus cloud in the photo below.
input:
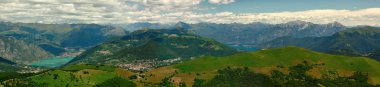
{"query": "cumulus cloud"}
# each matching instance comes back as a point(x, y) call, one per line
point(164, 11)
point(168, 5)
point(221, 1)
point(369, 16)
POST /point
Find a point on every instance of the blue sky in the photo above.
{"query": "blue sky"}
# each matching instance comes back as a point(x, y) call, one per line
point(347, 12)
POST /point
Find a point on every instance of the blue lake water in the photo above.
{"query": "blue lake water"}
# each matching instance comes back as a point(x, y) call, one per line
point(244, 48)
point(52, 62)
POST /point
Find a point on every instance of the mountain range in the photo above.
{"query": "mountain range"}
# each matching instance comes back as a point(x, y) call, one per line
point(248, 36)
point(29, 42)
point(20, 51)
point(153, 44)
point(71, 39)
point(256, 33)
point(359, 41)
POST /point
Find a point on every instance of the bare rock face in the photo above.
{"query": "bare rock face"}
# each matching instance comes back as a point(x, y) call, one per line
point(20, 52)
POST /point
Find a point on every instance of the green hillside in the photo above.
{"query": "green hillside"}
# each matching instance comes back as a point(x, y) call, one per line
point(74, 76)
point(286, 57)
point(161, 44)
point(284, 67)
point(7, 65)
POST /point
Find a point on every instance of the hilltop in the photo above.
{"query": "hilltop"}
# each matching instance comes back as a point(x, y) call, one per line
point(152, 46)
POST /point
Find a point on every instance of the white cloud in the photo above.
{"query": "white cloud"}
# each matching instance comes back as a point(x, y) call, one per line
point(369, 16)
point(221, 1)
point(168, 5)
point(163, 11)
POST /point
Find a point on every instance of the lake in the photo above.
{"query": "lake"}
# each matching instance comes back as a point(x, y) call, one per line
point(52, 62)
point(244, 48)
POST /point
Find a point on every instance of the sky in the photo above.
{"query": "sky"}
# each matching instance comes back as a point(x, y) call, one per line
point(347, 12)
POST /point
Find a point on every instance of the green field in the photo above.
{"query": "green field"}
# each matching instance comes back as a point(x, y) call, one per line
point(74, 76)
point(52, 62)
point(287, 57)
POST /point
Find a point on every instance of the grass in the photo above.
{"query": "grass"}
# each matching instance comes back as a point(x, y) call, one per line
point(95, 76)
point(76, 75)
point(213, 63)
point(63, 78)
point(288, 56)
point(124, 73)
point(86, 66)
point(158, 74)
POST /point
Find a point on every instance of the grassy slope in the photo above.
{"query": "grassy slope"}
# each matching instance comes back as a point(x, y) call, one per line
point(74, 76)
point(285, 57)
point(65, 77)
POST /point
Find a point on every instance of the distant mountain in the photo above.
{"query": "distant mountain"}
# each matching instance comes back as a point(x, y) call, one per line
point(356, 41)
point(26, 43)
point(153, 44)
point(21, 52)
point(88, 35)
point(256, 33)
point(54, 38)
point(144, 25)
point(375, 55)
point(247, 36)
point(183, 25)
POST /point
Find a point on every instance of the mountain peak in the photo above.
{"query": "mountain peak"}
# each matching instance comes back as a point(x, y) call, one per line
point(298, 22)
point(335, 23)
point(182, 25)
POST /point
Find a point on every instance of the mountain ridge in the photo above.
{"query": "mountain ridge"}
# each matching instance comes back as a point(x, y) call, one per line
point(355, 42)
point(161, 44)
